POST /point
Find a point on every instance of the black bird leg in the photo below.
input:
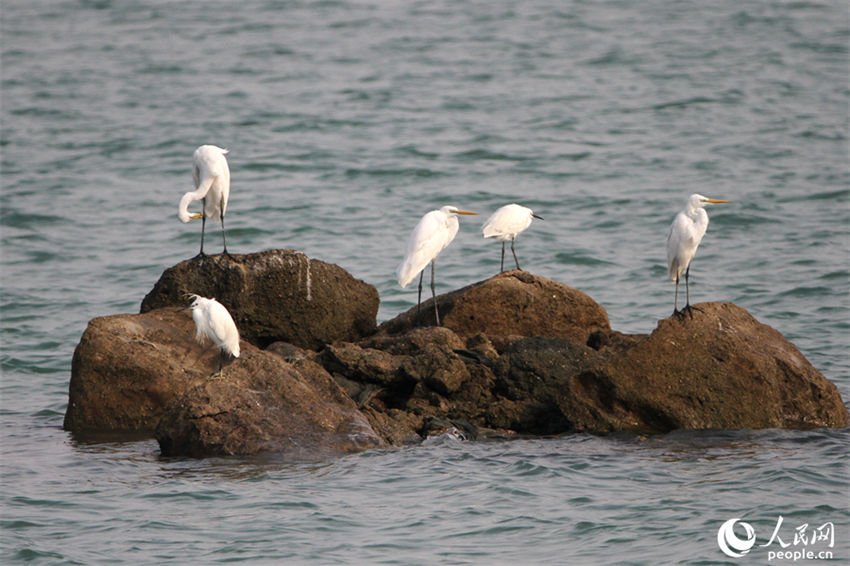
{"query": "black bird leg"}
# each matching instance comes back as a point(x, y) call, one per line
point(513, 251)
point(434, 294)
point(676, 311)
point(502, 263)
point(223, 239)
point(419, 296)
point(203, 226)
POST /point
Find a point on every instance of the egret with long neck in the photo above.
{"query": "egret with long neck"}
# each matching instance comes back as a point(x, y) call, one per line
point(212, 187)
point(683, 238)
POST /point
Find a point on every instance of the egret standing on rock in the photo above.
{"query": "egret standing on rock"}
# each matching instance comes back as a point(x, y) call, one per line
point(505, 224)
point(213, 321)
point(212, 187)
point(684, 237)
point(432, 234)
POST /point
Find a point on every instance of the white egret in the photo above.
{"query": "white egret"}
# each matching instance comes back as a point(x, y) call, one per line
point(213, 321)
point(212, 187)
point(505, 224)
point(684, 237)
point(431, 235)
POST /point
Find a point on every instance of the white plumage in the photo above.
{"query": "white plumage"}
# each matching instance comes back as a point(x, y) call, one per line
point(213, 321)
point(211, 175)
point(505, 224)
point(431, 235)
point(683, 238)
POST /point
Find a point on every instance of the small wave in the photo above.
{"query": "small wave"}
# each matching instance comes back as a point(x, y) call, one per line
point(484, 154)
point(807, 291)
point(684, 103)
point(840, 194)
point(576, 259)
point(420, 172)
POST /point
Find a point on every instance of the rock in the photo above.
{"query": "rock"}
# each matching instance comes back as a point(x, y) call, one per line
point(146, 373)
point(531, 377)
point(361, 364)
point(275, 295)
point(396, 427)
point(517, 354)
point(263, 404)
point(511, 303)
point(128, 368)
point(720, 369)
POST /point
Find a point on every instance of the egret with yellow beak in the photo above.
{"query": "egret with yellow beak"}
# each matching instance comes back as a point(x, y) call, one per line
point(432, 234)
point(684, 237)
point(212, 187)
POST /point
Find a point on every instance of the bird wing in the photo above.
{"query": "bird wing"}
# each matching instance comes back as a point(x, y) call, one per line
point(212, 175)
point(682, 242)
point(430, 236)
point(507, 222)
point(222, 328)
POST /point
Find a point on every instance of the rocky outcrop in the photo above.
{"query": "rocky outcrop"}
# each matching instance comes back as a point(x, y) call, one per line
point(517, 354)
point(145, 373)
point(718, 369)
point(264, 404)
point(512, 303)
point(128, 368)
point(275, 295)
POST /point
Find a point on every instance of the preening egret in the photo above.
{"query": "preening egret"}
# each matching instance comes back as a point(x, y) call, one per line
point(505, 224)
point(432, 234)
point(684, 237)
point(214, 322)
point(212, 187)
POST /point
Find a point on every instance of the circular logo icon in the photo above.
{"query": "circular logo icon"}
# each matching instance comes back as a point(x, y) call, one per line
point(729, 542)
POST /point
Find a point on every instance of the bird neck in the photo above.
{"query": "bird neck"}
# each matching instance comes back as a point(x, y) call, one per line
point(183, 207)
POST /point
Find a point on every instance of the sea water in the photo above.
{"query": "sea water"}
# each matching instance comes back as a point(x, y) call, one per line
point(346, 121)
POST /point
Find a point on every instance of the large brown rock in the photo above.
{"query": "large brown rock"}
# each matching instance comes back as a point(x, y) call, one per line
point(719, 369)
point(146, 373)
point(128, 368)
point(517, 353)
point(264, 404)
point(275, 295)
point(510, 303)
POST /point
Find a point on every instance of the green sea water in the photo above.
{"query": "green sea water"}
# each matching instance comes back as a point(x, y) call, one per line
point(346, 121)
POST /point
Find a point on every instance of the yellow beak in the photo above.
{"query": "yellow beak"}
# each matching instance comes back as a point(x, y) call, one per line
point(195, 216)
point(464, 212)
point(714, 200)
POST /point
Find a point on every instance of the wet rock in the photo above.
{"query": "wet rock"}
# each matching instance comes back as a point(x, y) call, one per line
point(275, 295)
point(361, 364)
point(263, 404)
point(128, 368)
point(518, 354)
point(720, 369)
point(397, 427)
point(457, 429)
point(146, 373)
point(511, 303)
point(415, 340)
point(530, 377)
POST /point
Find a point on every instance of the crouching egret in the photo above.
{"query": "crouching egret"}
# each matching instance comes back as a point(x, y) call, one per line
point(213, 321)
point(505, 224)
point(212, 187)
point(432, 234)
point(684, 237)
